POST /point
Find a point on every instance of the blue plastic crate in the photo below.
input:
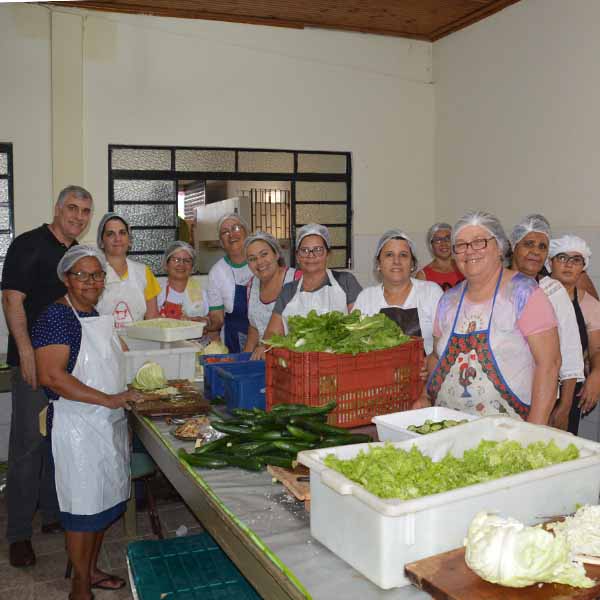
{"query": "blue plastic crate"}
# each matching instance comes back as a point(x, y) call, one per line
point(212, 385)
point(186, 568)
point(244, 384)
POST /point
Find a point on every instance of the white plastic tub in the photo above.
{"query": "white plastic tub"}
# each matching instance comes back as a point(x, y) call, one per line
point(142, 330)
point(377, 537)
point(393, 427)
point(178, 359)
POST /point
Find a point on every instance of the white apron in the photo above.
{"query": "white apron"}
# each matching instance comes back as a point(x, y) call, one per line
point(124, 299)
point(90, 443)
point(327, 299)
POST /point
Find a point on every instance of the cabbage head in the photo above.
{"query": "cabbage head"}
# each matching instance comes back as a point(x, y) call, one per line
point(215, 347)
point(504, 551)
point(150, 377)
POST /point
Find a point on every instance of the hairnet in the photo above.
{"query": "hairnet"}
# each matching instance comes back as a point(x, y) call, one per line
point(313, 229)
point(233, 217)
point(104, 220)
point(569, 243)
point(479, 218)
point(173, 247)
point(531, 223)
point(268, 239)
point(434, 229)
point(394, 234)
point(75, 253)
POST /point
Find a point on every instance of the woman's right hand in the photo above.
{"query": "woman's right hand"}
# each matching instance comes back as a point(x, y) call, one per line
point(124, 399)
point(258, 353)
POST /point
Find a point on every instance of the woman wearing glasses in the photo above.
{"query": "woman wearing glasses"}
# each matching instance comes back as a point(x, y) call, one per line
point(78, 363)
point(319, 288)
point(442, 269)
point(569, 258)
point(495, 335)
point(130, 289)
point(227, 280)
point(409, 302)
point(530, 240)
point(182, 296)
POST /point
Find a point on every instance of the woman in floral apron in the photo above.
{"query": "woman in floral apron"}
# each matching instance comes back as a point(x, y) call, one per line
point(496, 345)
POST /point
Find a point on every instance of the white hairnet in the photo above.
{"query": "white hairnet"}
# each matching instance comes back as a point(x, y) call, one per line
point(233, 217)
point(104, 220)
point(434, 229)
point(313, 229)
point(173, 247)
point(268, 239)
point(531, 223)
point(569, 243)
point(395, 234)
point(486, 220)
point(75, 253)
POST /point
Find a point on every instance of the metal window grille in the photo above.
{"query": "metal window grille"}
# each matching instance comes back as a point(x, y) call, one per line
point(7, 224)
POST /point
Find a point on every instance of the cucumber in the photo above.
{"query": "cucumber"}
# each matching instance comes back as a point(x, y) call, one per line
point(349, 438)
point(227, 427)
point(219, 444)
point(251, 448)
point(202, 461)
point(302, 434)
point(251, 463)
point(293, 447)
point(272, 435)
point(318, 427)
point(278, 461)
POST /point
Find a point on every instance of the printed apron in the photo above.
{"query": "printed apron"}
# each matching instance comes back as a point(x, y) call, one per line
point(236, 322)
point(467, 376)
point(171, 310)
point(90, 443)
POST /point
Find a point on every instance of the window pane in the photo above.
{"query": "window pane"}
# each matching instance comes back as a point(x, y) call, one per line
point(140, 191)
point(337, 259)
point(204, 160)
point(148, 215)
point(337, 236)
point(320, 213)
point(3, 163)
point(321, 163)
point(266, 162)
point(152, 239)
point(320, 191)
point(4, 217)
point(152, 260)
point(4, 244)
point(4, 190)
point(145, 159)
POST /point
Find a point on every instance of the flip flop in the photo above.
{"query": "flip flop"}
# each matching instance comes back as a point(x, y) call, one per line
point(114, 578)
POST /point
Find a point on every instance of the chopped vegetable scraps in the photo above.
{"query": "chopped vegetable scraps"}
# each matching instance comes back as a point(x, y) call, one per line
point(582, 530)
point(163, 323)
point(390, 472)
point(339, 333)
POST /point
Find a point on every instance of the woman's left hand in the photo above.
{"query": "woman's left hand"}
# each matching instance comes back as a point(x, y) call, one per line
point(588, 397)
point(125, 399)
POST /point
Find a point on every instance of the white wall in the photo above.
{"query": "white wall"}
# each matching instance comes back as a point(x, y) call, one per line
point(517, 130)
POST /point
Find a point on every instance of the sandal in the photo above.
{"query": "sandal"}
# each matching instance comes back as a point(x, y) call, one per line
point(101, 583)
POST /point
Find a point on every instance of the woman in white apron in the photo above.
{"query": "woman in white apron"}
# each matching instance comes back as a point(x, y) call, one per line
point(496, 345)
point(319, 288)
point(130, 289)
point(78, 364)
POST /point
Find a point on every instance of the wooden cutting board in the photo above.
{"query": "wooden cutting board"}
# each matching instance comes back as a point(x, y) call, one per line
point(187, 402)
point(447, 577)
point(289, 479)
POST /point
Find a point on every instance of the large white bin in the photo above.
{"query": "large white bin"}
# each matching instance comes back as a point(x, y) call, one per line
point(377, 537)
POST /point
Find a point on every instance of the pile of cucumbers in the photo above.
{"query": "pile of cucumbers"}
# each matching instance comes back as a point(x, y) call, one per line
point(254, 438)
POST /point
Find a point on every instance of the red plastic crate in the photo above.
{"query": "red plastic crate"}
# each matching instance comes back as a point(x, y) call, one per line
point(364, 386)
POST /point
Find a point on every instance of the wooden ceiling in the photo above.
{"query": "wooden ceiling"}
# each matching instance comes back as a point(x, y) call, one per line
point(417, 19)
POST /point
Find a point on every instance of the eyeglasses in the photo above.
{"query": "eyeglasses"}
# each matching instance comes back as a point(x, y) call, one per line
point(478, 244)
point(84, 276)
point(441, 240)
point(531, 245)
point(565, 259)
point(232, 229)
point(315, 251)
point(181, 261)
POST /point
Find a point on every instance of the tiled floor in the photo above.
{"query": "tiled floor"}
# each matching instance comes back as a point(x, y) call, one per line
point(45, 580)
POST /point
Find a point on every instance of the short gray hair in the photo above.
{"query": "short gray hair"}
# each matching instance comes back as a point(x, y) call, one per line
point(480, 218)
point(73, 190)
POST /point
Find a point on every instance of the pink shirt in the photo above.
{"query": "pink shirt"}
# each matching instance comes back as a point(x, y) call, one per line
point(590, 307)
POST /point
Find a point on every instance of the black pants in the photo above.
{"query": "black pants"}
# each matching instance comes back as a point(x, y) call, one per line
point(575, 412)
point(30, 482)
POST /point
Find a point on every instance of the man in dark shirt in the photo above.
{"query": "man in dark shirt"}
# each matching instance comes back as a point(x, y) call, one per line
point(29, 284)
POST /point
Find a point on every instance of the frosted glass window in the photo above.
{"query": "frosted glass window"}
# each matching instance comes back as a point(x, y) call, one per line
point(3, 190)
point(152, 239)
point(266, 162)
point(337, 259)
point(321, 163)
point(5, 240)
point(142, 159)
point(140, 191)
point(204, 160)
point(141, 215)
point(320, 213)
point(152, 260)
point(337, 236)
point(3, 163)
point(4, 217)
point(321, 191)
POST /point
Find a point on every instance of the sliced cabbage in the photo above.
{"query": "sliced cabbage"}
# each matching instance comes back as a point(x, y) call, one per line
point(505, 551)
point(215, 347)
point(150, 376)
point(582, 530)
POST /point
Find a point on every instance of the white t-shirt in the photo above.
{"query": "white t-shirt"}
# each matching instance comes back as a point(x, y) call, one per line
point(222, 279)
point(424, 296)
point(192, 306)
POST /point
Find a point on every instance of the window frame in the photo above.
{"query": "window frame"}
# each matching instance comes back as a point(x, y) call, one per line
point(7, 148)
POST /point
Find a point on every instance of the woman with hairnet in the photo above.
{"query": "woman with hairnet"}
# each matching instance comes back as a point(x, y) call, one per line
point(270, 273)
point(130, 289)
point(442, 269)
point(569, 257)
point(530, 240)
point(319, 288)
point(495, 334)
point(408, 301)
point(227, 280)
point(182, 296)
point(78, 364)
